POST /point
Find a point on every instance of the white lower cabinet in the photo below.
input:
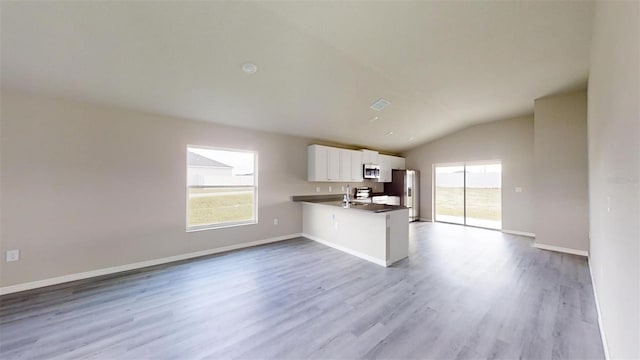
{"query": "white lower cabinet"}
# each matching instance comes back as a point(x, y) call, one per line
point(393, 200)
point(381, 238)
point(379, 199)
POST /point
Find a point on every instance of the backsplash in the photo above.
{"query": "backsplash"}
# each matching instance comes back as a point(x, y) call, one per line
point(322, 188)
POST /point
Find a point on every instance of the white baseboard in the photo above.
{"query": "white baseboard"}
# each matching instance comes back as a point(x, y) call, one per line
point(348, 251)
point(514, 232)
point(595, 297)
point(138, 265)
point(426, 220)
point(560, 249)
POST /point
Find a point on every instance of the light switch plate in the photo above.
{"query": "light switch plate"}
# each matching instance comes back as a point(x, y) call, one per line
point(518, 189)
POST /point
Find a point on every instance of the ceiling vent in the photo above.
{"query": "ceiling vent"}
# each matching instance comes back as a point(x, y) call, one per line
point(380, 104)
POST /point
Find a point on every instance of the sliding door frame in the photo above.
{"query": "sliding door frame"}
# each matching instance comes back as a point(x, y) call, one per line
point(464, 165)
point(464, 191)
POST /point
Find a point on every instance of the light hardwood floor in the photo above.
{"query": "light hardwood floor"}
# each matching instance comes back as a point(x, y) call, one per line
point(463, 293)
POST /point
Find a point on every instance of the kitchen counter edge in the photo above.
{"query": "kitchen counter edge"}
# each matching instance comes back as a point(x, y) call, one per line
point(368, 207)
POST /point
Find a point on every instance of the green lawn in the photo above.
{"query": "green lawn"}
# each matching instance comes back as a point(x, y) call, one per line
point(482, 204)
point(219, 205)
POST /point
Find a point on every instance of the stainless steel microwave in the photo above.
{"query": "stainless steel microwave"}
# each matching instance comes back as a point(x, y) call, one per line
point(370, 171)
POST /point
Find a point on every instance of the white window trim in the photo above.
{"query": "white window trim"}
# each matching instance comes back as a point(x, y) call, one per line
point(254, 221)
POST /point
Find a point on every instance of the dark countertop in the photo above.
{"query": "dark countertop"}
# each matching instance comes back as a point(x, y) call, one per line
point(327, 197)
point(318, 198)
point(374, 208)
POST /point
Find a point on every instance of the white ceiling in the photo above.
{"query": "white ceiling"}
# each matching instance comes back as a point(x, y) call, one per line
point(443, 65)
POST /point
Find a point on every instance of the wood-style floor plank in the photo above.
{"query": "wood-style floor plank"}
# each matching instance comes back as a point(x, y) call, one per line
point(463, 293)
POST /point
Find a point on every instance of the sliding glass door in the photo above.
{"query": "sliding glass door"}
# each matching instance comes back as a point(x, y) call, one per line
point(483, 195)
point(449, 194)
point(469, 194)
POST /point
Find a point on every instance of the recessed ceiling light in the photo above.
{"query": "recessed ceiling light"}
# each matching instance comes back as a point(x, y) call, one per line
point(390, 133)
point(249, 68)
point(380, 104)
point(375, 118)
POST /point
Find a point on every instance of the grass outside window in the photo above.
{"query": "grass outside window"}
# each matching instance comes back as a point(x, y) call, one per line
point(215, 206)
point(221, 188)
point(481, 203)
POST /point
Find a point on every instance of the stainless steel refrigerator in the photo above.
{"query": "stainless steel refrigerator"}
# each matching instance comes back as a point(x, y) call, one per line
point(405, 184)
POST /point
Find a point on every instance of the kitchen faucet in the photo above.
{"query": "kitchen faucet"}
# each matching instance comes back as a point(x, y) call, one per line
point(346, 198)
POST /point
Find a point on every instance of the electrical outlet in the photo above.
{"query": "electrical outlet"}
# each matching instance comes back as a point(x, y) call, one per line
point(342, 188)
point(318, 189)
point(329, 188)
point(13, 255)
point(519, 189)
point(275, 221)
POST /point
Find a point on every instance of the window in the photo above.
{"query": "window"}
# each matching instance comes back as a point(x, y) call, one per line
point(221, 188)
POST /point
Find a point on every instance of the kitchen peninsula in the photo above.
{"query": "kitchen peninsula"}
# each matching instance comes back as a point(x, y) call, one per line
point(374, 232)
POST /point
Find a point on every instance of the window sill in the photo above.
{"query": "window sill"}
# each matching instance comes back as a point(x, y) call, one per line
point(221, 226)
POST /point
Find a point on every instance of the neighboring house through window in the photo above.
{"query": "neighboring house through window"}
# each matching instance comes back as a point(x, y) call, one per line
point(221, 187)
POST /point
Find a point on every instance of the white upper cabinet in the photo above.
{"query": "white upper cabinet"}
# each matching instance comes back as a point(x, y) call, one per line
point(370, 157)
point(327, 163)
point(397, 163)
point(317, 166)
point(385, 168)
point(387, 164)
point(356, 165)
point(333, 164)
point(345, 165)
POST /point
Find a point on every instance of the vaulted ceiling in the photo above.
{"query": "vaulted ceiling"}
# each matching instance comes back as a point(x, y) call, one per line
point(443, 65)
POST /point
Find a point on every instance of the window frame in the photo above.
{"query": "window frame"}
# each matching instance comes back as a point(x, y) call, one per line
point(464, 165)
point(213, 226)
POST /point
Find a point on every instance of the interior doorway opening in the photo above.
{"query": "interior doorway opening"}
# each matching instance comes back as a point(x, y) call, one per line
point(469, 193)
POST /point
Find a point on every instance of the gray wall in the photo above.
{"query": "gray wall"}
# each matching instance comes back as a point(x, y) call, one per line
point(614, 169)
point(86, 187)
point(510, 141)
point(560, 178)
